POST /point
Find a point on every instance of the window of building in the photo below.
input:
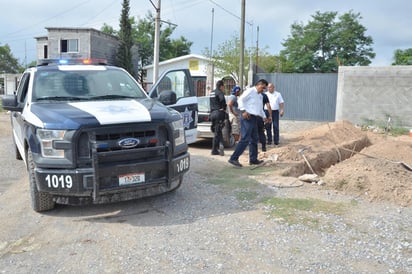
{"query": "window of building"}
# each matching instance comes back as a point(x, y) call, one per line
point(70, 45)
point(45, 52)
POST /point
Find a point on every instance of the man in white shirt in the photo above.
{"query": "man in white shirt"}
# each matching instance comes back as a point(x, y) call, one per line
point(278, 106)
point(250, 105)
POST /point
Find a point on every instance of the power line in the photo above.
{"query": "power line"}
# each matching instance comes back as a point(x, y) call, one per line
point(47, 19)
point(100, 12)
point(228, 11)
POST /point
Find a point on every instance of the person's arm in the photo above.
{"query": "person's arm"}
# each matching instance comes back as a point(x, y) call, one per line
point(269, 109)
point(230, 104)
point(281, 105)
point(281, 109)
point(242, 102)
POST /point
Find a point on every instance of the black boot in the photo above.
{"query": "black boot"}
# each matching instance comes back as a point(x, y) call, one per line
point(221, 150)
point(215, 147)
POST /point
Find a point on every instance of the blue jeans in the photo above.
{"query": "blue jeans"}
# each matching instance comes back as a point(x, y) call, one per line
point(275, 125)
point(249, 136)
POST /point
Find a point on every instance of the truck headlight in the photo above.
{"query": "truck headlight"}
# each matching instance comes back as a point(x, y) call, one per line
point(47, 138)
point(178, 132)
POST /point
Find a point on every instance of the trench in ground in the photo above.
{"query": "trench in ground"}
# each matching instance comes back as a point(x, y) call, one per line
point(321, 159)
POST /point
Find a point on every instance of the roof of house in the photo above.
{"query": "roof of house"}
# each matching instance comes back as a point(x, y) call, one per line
point(178, 59)
point(76, 30)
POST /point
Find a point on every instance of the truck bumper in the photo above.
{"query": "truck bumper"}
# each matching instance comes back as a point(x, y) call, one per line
point(116, 176)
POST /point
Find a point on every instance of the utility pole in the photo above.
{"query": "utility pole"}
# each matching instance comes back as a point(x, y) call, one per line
point(257, 50)
point(242, 44)
point(156, 42)
point(211, 64)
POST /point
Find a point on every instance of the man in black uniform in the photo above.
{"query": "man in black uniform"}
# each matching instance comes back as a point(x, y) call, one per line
point(217, 115)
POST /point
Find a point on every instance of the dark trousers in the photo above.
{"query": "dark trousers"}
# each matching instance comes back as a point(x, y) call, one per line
point(275, 126)
point(261, 131)
point(249, 137)
point(218, 118)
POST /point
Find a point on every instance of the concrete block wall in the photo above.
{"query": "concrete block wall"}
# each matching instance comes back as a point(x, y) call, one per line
point(374, 94)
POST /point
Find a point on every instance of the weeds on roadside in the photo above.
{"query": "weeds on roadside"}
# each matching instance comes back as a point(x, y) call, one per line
point(240, 182)
point(302, 211)
point(391, 125)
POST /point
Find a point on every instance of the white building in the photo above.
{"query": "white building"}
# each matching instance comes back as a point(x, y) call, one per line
point(8, 83)
point(198, 65)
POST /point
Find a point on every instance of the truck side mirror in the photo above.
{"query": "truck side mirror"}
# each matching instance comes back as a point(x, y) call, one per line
point(10, 103)
point(167, 97)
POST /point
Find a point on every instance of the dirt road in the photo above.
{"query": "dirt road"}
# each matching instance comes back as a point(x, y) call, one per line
point(220, 221)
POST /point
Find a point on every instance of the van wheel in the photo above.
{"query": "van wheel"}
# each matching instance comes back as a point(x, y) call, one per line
point(40, 201)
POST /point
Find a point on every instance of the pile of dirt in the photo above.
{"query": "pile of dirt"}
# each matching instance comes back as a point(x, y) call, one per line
point(349, 160)
point(380, 177)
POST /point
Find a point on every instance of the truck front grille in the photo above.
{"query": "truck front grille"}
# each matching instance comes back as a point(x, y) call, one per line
point(107, 139)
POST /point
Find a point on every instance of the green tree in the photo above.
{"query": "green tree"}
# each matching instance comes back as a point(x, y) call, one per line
point(226, 59)
point(271, 63)
point(108, 29)
point(32, 64)
point(144, 39)
point(326, 42)
point(169, 48)
point(124, 52)
point(402, 57)
point(8, 64)
point(142, 35)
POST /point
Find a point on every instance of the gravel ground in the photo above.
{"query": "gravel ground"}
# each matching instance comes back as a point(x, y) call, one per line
point(207, 226)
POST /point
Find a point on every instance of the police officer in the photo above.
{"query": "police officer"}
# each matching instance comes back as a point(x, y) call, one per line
point(251, 106)
point(217, 115)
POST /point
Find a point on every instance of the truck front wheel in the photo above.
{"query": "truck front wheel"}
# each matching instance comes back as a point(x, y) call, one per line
point(40, 201)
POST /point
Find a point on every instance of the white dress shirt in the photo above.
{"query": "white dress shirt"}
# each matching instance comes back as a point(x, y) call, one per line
point(252, 102)
point(275, 99)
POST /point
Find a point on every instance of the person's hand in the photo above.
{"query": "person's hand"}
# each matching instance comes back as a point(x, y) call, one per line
point(281, 113)
point(245, 115)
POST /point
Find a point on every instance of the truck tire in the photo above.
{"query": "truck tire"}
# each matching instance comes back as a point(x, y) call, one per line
point(228, 138)
point(16, 151)
point(18, 156)
point(40, 201)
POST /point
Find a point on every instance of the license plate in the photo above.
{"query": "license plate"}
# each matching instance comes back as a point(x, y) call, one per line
point(132, 178)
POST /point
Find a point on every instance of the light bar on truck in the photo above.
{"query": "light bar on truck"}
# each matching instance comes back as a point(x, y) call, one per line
point(87, 61)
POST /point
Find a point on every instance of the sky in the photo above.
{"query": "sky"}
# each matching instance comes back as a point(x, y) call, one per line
point(207, 23)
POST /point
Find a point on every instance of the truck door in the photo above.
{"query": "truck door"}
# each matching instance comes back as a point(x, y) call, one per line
point(17, 119)
point(178, 82)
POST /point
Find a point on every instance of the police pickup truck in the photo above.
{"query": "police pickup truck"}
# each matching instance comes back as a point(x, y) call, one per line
point(89, 133)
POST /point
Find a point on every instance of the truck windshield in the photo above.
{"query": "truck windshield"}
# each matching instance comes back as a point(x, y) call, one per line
point(85, 85)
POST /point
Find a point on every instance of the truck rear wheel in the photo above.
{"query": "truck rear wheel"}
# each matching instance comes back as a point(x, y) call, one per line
point(16, 151)
point(18, 156)
point(40, 201)
point(228, 138)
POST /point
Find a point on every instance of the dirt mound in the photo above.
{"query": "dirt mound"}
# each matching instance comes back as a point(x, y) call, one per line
point(380, 177)
point(320, 147)
point(350, 160)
